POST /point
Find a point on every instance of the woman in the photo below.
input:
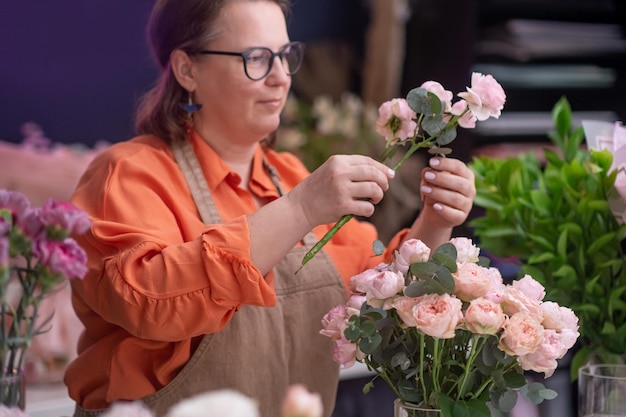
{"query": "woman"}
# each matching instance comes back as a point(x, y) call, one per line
point(198, 227)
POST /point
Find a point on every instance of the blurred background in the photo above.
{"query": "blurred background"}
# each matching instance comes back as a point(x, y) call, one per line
point(71, 72)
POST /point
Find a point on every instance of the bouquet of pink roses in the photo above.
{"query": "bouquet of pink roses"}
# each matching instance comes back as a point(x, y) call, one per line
point(445, 332)
point(427, 118)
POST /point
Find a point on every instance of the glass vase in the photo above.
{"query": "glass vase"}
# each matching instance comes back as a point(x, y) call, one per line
point(404, 409)
point(602, 391)
point(13, 391)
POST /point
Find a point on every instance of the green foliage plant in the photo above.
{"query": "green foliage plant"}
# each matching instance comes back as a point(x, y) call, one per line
point(553, 215)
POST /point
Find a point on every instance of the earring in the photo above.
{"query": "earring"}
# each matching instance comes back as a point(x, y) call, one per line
point(189, 107)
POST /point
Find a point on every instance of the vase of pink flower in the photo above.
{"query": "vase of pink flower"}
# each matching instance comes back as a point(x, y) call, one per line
point(37, 254)
point(445, 333)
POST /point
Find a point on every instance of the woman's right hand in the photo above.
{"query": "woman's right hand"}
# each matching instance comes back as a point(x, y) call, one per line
point(344, 184)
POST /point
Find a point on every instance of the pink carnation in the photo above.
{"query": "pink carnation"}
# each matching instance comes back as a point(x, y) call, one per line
point(485, 97)
point(66, 258)
point(395, 121)
point(436, 88)
point(467, 120)
point(64, 216)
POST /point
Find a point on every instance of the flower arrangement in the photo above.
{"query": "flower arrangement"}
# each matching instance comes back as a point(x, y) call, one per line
point(427, 118)
point(444, 331)
point(36, 254)
point(562, 218)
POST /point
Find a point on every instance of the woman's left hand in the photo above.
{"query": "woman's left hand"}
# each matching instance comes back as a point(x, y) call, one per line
point(447, 189)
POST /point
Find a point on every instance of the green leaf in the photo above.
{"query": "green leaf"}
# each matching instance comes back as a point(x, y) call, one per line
point(433, 124)
point(419, 101)
point(507, 401)
point(514, 379)
point(378, 247)
point(580, 358)
point(423, 287)
point(471, 408)
point(369, 345)
point(447, 136)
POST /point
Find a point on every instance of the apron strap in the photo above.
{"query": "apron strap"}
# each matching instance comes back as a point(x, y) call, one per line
point(190, 166)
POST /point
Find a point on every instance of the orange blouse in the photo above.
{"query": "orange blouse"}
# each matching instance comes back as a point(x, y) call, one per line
point(158, 277)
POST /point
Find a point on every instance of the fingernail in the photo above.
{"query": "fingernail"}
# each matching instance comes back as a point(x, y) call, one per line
point(430, 175)
point(435, 161)
point(426, 189)
point(392, 173)
point(437, 206)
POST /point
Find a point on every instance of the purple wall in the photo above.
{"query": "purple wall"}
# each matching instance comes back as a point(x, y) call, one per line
point(77, 67)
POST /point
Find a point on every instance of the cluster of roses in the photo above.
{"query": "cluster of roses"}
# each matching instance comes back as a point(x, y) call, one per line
point(41, 236)
point(536, 332)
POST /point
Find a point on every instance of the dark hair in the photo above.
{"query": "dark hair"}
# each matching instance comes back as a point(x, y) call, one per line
point(176, 24)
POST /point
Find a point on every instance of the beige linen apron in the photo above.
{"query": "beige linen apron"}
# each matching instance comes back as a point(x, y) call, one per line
point(262, 350)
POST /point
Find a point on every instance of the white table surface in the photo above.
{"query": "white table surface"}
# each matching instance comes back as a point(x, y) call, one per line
point(51, 400)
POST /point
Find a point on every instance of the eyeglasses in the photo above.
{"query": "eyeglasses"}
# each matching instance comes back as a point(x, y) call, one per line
point(258, 62)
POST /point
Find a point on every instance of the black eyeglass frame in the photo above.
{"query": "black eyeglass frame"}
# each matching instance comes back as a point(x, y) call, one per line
point(245, 54)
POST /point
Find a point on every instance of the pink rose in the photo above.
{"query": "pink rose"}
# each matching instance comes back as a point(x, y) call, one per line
point(360, 283)
point(485, 97)
point(334, 322)
point(514, 301)
point(544, 359)
point(344, 352)
point(354, 303)
point(384, 285)
point(530, 287)
point(471, 281)
point(300, 402)
point(466, 251)
point(410, 252)
point(436, 88)
point(404, 308)
point(395, 121)
point(522, 335)
point(484, 317)
point(66, 258)
point(438, 315)
point(497, 288)
point(557, 317)
point(467, 120)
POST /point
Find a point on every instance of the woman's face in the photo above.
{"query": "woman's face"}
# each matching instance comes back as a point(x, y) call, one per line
point(235, 108)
